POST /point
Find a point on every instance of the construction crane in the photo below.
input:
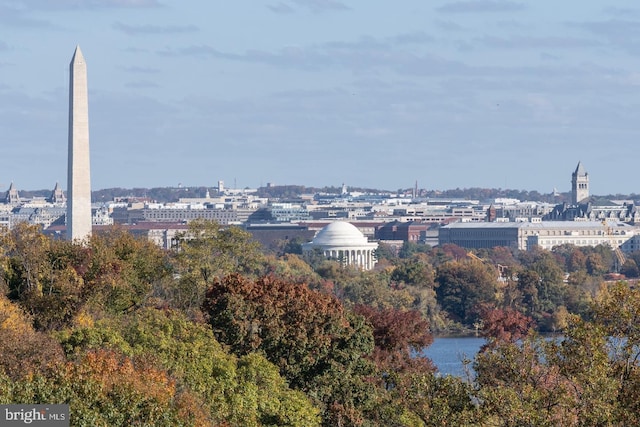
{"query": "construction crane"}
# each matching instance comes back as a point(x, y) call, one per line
point(619, 255)
point(501, 268)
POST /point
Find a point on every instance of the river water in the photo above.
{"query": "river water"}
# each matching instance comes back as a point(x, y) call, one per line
point(448, 353)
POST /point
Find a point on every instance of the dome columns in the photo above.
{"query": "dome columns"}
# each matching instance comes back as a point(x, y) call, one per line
point(342, 241)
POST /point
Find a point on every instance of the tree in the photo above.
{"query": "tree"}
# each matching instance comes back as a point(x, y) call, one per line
point(105, 388)
point(400, 338)
point(630, 269)
point(577, 261)
point(24, 351)
point(415, 271)
point(246, 391)
point(43, 275)
point(595, 264)
point(504, 325)
point(463, 286)
point(542, 284)
point(589, 377)
point(122, 271)
point(22, 255)
point(385, 251)
point(208, 252)
point(409, 249)
point(319, 346)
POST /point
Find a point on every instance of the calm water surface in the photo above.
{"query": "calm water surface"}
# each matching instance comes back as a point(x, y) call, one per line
point(447, 353)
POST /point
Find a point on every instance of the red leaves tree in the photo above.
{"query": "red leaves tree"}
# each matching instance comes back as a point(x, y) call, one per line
point(399, 338)
point(318, 346)
point(504, 326)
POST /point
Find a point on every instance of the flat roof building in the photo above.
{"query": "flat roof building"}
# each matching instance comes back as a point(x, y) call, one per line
point(545, 234)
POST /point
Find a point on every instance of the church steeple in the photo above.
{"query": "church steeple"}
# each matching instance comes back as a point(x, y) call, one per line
point(579, 184)
point(12, 197)
point(57, 195)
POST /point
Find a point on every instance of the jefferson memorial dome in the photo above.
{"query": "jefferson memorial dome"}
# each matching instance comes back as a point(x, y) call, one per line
point(343, 241)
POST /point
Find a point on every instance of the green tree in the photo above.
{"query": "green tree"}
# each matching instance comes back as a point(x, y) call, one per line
point(319, 346)
point(630, 269)
point(595, 264)
point(415, 271)
point(589, 377)
point(246, 391)
point(104, 388)
point(122, 271)
point(463, 286)
point(409, 249)
point(207, 252)
point(385, 251)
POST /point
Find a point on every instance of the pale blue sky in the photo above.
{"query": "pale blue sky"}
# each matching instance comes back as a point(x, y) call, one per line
point(372, 93)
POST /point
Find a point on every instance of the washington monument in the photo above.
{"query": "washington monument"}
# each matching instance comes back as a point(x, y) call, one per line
point(79, 175)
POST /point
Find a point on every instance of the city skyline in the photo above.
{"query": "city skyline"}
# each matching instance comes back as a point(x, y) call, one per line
point(494, 94)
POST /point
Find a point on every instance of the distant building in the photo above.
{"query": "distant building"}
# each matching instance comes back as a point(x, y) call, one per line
point(579, 184)
point(344, 242)
point(410, 231)
point(189, 212)
point(12, 197)
point(57, 196)
point(588, 208)
point(544, 234)
point(274, 236)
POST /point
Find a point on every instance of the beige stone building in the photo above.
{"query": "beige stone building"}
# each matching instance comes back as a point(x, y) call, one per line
point(343, 241)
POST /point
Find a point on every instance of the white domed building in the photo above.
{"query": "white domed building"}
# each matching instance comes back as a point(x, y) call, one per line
point(343, 241)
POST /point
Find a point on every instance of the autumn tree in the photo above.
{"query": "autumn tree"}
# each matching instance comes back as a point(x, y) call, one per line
point(504, 325)
point(24, 350)
point(318, 346)
point(463, 286)
point(541, 281)
point(414, 271)
point(630, 269)
point(104, 388)
point(42, 274)
point(591, 376)
point(246, 391)
point(207, 252)
point(400, 338)
point(122, 271)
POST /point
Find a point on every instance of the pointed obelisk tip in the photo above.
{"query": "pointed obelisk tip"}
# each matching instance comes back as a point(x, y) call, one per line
point(77, 53)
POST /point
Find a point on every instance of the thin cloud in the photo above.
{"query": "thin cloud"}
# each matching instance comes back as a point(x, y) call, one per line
point(198, 51)
point(366, 55)
point(322, 5)
point(83, 4)
point(524, 42)
point(612, 28)
point(416, 37)
point(281, 8)
point(449, 26)
point(134, 30)
point(622, 11)
point(15, 17)
point(481, 6)
point(141, 70)
point(315, 6)
point(621, 34)
point(143, 84)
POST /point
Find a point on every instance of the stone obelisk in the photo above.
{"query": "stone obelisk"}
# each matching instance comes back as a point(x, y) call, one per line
point(79, 175)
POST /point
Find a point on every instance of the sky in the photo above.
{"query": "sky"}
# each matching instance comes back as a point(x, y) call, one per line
point(369, 93)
